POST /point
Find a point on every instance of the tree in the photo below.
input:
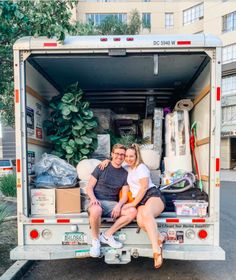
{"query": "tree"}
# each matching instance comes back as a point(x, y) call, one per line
point(135, 23)
point(27, 18)
point(111, 25)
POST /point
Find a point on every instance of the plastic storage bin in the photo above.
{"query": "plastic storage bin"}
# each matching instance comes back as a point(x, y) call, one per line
point(196, 208)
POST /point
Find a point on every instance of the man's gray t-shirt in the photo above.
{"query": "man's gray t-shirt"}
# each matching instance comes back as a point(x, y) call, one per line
point(109, 182)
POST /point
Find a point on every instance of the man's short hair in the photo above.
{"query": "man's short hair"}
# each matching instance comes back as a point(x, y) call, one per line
point(118, 146)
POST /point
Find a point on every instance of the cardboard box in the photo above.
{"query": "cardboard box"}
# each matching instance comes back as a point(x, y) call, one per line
point(43, 202)
point(68, 201)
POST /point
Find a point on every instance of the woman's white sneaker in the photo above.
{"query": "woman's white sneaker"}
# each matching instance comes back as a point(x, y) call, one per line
point(95, 249)
point(110, 241)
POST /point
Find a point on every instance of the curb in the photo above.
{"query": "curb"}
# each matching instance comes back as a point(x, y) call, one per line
point(17, 270)
point(10, 199)
point(10, 218)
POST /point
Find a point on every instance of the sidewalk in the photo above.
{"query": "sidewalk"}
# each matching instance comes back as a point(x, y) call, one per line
point(228, 175)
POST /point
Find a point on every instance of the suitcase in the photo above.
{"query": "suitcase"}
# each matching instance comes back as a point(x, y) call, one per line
point(191, 194)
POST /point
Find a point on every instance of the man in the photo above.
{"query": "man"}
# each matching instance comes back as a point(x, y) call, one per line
point(103, 191)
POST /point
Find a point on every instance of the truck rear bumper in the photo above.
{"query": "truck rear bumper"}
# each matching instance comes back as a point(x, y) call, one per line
point(177, 252)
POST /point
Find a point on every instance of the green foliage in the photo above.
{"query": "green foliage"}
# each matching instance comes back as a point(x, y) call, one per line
point(81, 29)
point(111, 25)
point(134, 23)
point(3, 211)
point(71, 126)
point(128, 139)
point(27, 18)
point(8, 185)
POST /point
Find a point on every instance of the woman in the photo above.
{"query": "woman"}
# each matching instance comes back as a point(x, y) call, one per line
point(146, 198)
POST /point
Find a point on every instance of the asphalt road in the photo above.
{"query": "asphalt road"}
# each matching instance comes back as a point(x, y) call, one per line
point(141, 268)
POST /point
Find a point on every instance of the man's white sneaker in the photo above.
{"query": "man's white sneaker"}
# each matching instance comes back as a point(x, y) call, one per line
point(110, 241)
point(95, 248)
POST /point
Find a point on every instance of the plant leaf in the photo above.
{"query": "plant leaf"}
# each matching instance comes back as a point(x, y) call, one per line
point(69, 150)
point(79, 141)
point(73, 108)
point(68, 98)
point(84, 151)
point(66, 111)
point(86, 140)
point(54, 137)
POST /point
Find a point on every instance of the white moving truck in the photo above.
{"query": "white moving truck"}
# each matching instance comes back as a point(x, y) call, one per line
point(121, 73)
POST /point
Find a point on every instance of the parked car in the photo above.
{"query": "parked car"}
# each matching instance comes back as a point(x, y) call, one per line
point(7, 166)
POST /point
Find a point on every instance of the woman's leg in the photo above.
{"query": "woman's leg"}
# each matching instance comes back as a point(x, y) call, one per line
point(146, 219)
point(140, 218)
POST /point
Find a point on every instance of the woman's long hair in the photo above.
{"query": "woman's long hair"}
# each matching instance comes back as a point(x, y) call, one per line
point(136, 149)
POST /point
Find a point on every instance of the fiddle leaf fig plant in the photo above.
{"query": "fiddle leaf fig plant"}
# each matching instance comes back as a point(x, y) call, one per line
point(71, 126)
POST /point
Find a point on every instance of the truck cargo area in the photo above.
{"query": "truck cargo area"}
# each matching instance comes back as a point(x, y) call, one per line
point(125, 83)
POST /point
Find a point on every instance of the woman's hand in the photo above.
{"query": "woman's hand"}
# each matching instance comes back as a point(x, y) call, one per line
point(116, 211)
point(104, 164)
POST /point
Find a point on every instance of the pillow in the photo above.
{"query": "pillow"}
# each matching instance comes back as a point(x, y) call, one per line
point(85, 167)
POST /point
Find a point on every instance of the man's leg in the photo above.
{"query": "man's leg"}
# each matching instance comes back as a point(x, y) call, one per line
point(95, 213)
point(127, 216)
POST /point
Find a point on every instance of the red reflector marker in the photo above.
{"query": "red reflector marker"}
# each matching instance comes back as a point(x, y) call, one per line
point(202, 234)
point(34, 234)
point(17, 96)
point(129, 39)
point(103, 39)
point(37, 221)
point(116, 39)
point(7, 169)
point(183, 42)
point(18, 165)
point(198, 220)
point(50, 44)
point(218, 94)
point(172, 220)
point(63, 221)
point(217, 164)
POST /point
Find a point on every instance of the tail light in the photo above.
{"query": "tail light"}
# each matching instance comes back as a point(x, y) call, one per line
point(202, 234)
point(7, 168)
point(34, 234)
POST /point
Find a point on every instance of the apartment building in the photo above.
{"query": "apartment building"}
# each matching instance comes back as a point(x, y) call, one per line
point(187, 17)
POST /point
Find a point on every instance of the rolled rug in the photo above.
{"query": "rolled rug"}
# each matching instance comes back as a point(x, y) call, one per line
point(184, 104)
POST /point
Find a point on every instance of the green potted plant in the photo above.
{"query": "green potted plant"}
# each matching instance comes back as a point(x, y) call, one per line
point(71, 126)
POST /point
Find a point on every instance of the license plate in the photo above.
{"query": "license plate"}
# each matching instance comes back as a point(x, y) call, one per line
point(82, 253)
point(74, 238)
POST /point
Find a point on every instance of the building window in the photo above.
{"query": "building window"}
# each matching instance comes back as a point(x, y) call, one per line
point(229, 85)
point(229, 54)
point(193, 14)
point(146, 20)
point(97, 19)
point(229, 22)
point(169, 20)
point(146, 0)
point(229, 114)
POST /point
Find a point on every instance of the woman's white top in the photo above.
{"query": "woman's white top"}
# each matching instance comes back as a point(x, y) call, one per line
point(135, 174)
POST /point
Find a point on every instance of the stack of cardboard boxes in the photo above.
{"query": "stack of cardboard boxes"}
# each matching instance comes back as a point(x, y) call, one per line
point(49, 202)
